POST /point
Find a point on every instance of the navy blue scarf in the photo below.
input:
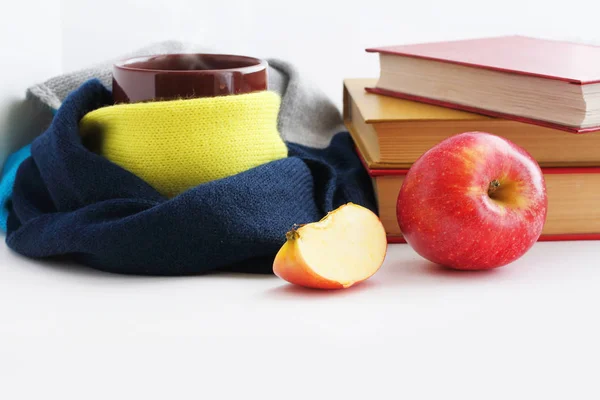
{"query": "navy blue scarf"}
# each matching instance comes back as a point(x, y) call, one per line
point(71, 203)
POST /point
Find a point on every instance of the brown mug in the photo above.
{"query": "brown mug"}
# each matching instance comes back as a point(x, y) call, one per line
point(177, 76)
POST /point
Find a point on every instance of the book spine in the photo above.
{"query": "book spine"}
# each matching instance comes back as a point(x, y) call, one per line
point(543, 238)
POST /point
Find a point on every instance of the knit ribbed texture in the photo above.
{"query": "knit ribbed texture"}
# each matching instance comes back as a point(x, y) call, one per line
point(176, 145)
point(306, 115)
point(71, 203)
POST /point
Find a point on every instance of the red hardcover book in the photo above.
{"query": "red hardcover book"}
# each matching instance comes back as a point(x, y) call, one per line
point(573, 202)
point(545, 82)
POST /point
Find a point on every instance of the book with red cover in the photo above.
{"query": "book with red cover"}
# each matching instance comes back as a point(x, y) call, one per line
point(575, 64)
point(572, 196)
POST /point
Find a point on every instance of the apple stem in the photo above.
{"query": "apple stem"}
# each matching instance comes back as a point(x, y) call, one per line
point(494, 185)
point(293, 233)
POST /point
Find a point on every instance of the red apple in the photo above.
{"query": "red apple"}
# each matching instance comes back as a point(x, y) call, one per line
point(474, 201)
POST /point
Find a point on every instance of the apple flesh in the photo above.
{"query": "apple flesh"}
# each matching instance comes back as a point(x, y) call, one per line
point(474, 201)
point(347, 246)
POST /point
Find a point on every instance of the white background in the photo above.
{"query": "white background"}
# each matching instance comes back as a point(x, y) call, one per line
point(523, 332)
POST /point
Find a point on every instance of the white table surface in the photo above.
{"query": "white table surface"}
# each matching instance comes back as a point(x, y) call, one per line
point(526, 331)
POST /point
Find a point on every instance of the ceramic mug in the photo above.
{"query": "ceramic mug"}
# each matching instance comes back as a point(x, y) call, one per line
point(177, 76)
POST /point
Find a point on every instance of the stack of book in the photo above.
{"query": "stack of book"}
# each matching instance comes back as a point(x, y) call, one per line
point(542, 95)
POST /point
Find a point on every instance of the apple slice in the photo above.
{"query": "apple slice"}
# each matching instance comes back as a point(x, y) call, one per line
point(347, 246)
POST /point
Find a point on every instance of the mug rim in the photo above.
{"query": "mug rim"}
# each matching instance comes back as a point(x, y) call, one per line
point(259, 64)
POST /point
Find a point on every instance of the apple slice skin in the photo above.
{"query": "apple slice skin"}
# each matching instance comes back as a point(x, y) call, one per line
point(291, 265)
point(474, 201)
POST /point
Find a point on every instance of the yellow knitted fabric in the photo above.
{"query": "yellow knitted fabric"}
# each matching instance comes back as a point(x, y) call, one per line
point(175, 145)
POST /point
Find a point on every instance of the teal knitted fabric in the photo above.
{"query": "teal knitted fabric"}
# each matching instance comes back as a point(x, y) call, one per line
point(7, 181)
